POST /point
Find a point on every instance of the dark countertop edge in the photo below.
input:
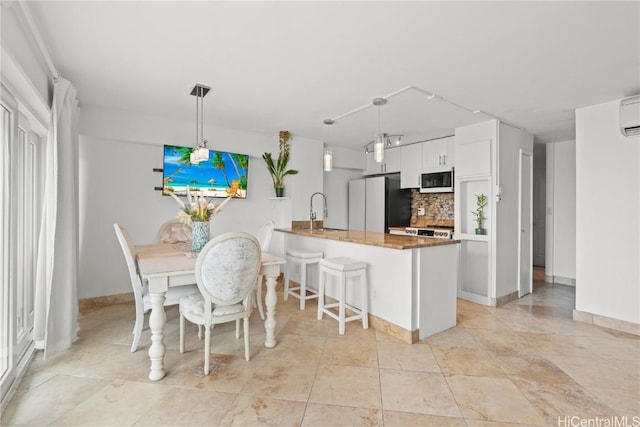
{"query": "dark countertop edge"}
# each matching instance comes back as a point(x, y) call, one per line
point(414, 243)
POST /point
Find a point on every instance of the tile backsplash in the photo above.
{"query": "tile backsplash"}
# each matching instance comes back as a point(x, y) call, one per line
point(438, 208)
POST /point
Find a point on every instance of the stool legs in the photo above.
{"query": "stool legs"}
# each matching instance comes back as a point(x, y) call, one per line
point(323, 277)
point(365, 301)
point(341, 304)
point(286, 281)
point(303, 285)
point(343, 296)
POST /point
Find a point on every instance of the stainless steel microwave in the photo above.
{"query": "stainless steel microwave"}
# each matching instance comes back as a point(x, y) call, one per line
point(437, 182)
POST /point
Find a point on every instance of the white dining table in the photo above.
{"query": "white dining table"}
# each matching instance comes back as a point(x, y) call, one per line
point(165, 265)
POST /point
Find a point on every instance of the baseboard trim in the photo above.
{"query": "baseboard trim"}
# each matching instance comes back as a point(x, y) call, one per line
point(607, 322)
point(96, 302)
point(506, 298)
point(564, 281)
point(478, 299)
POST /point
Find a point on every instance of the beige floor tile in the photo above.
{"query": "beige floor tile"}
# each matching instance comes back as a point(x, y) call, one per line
point(188, 407)
point(555, 401)
point(501, 340)
point(296, 347)
point(481, 423)
point(301, 323)
point(467, 361)
point(408, 357)
point(280, 379)
point(480, 320)
point(317, 415)
point(553, 365)
point(50, 400)
point(549, 343)
point(347, 386)
point(454, 337)
point(622, 402)
point(531, 367)
point(255, 410)
point(344, 351)
point(597, 372)
point(417, 392)
point(120, 403)
point(492, 399)
point(406, 419)
point(227, 374)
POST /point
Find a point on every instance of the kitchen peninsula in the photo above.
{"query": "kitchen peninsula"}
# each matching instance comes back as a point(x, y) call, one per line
point(412, 280)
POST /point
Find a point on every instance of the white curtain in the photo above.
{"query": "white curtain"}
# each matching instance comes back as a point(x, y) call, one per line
point(56, 305)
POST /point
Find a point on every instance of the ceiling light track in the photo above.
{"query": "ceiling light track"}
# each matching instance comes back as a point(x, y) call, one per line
point(430, 96)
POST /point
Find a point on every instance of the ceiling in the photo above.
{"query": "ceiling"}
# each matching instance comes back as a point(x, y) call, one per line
point(290, 65)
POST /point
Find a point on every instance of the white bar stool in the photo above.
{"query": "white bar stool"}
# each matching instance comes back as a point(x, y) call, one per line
point(304, 258)
point(342, 269)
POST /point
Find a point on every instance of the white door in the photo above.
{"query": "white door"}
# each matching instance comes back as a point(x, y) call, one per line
point(539, 215)
point(525, 249)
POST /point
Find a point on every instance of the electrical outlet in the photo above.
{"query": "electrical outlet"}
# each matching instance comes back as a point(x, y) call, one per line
point(420, 211)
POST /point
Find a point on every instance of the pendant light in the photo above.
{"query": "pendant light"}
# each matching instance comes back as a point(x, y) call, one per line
point(327, 158)
point(200, 153)
point(378, 145)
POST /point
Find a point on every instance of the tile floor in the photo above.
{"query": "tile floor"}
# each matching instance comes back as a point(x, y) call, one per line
point(526, 363)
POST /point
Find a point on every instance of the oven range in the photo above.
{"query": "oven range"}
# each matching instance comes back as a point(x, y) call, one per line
point(437, 232)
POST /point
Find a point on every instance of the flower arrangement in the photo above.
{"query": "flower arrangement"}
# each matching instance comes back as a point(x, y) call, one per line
point(278, 169)
point(197, 208)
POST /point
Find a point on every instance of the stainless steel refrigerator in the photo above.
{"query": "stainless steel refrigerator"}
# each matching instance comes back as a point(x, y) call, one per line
point(377, 203)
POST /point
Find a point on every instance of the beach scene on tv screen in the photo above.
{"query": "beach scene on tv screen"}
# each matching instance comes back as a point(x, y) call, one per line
point(222, 175)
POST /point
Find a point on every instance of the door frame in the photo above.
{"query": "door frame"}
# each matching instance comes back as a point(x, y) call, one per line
point(522, 155)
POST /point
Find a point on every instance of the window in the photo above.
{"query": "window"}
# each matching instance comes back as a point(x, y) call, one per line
point(22, 184)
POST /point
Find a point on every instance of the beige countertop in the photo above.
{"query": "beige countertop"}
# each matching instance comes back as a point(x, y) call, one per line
point(370, 238)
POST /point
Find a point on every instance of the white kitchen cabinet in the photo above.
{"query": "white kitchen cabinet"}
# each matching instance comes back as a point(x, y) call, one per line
point(411, 165)
point(438, 154)
point(390, 163)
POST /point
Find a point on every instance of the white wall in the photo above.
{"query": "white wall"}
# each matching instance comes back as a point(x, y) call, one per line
point(118, 151)
point(607, 215)
point(510, 141)
point(560, 253)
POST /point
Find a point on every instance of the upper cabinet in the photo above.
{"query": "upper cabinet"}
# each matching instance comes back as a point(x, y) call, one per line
point(438, 154)
point(411, 165)
point(390, 163)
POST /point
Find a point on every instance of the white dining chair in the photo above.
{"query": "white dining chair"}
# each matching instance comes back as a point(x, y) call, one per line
point(140, 289)
point(264, 237)
point(174, 231)
point(226, 273)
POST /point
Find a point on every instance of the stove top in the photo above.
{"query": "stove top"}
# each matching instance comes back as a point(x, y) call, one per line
point(437, 232)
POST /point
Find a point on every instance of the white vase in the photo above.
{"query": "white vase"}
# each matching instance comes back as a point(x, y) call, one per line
point(199, 235)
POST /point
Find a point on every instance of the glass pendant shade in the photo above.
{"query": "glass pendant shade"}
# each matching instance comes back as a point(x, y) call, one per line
point(200, 153)
point(328, 160)
point(378, 148)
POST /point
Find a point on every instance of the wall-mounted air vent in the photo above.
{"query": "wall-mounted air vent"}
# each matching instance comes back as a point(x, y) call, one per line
point(630, 116)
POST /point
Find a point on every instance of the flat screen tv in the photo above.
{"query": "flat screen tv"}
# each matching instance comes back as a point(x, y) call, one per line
point(222, 175)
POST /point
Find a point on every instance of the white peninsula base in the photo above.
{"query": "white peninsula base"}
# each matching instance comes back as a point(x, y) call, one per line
point(412, 286)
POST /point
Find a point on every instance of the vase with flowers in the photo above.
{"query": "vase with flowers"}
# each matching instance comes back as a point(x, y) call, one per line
point(197, 212)
point(278, 169)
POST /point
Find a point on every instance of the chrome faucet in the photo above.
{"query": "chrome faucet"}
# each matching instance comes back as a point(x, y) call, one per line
point(312, 214)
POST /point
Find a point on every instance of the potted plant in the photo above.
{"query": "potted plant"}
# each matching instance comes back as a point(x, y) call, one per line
point(278, 170)
point(481, 203)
